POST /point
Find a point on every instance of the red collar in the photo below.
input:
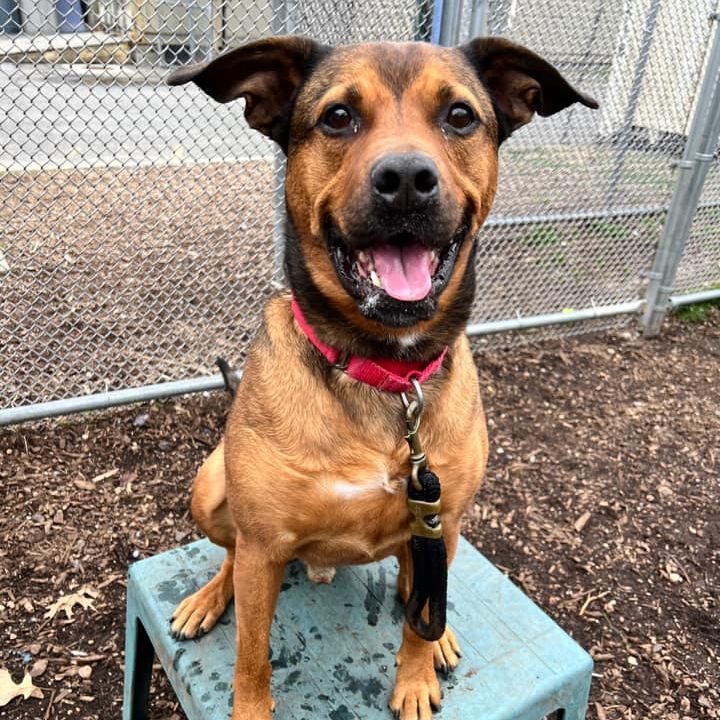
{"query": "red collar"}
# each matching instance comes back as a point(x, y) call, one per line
point(386, 374)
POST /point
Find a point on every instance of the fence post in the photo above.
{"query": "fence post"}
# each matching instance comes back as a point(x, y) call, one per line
point(692, 171)
point(623, 139)
point(479, 19)
point(281, 25)
point(450, 22)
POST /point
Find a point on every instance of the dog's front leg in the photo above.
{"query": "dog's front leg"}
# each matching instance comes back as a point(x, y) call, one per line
point(257, 583)
point(417, 689)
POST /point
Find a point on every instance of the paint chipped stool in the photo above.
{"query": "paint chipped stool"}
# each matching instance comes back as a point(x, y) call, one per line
point(333, 646)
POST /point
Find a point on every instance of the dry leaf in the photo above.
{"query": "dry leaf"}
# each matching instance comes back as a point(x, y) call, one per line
point(9, 690)
point(38, 667)
point(84, 597)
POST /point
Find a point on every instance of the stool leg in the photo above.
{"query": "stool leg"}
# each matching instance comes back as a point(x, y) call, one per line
point(139, 654)
point(574, 711)
point(576, 708)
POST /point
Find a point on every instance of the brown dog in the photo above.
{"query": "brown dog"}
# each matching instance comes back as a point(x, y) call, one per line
point(392, 167)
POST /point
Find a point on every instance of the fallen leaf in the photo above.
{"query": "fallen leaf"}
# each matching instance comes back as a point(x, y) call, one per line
point(84, 597)
point(38, 667)
point(9, 689)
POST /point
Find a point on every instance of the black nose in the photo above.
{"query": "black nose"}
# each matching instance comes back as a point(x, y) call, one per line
point(407, 181)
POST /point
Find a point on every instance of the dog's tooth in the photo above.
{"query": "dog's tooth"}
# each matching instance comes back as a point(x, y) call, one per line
point(362, 270)
point(375, 279)
point(366, 260)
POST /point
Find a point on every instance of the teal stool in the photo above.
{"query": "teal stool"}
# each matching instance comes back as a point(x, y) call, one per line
point(333, 646)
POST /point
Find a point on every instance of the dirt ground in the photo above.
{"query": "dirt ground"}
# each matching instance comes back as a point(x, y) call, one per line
point(147, 274)
point(601, 502)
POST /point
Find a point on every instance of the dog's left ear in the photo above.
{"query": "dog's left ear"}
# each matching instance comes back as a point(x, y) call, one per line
point(266, 73)
point(520, 82)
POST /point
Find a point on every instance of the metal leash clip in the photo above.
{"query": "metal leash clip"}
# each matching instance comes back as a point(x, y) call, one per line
point(425, 514)
point(413, 413)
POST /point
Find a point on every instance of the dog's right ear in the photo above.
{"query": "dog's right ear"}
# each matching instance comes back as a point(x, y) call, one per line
point(520, 82)
point(266, 73)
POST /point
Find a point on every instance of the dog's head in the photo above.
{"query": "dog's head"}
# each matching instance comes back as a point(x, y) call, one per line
point(392, 166)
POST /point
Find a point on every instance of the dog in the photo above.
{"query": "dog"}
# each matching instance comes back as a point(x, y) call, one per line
point(392, 158)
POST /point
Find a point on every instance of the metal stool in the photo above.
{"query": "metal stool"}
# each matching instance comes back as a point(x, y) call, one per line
point(333, 646)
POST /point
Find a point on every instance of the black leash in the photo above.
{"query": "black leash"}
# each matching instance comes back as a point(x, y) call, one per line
point(429, 556)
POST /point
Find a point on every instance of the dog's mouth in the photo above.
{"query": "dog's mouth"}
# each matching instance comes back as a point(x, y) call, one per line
point(401, 267)
point(404, 269)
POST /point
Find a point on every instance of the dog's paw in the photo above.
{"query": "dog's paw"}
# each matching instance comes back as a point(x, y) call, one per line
point(321, 574)
point(198, 613)
point(415, 695)
point(446, 652)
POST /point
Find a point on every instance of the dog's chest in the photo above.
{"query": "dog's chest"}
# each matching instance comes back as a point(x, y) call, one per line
point(363, 517)
point(379, 486)
point(361, 496)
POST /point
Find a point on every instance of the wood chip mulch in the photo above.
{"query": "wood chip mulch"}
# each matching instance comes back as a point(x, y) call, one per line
point(601, 502)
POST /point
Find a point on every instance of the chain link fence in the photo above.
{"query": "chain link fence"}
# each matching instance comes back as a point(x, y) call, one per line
point(584, 195)
point(139, 224)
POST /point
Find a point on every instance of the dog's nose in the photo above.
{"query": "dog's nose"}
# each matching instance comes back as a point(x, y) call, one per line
point(406, 181)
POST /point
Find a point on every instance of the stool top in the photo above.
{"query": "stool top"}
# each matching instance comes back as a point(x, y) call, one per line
point(333, 646)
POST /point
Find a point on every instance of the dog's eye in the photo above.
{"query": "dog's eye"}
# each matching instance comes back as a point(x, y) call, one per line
point(460, 116)
point(337, 118)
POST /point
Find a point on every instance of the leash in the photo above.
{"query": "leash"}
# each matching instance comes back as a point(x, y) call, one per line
point(429, 556)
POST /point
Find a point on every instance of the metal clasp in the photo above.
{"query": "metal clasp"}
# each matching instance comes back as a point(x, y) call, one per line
point(426, 519)
point(413, 412)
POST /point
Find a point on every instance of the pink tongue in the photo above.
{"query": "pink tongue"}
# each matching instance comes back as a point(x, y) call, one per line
point(404, 271)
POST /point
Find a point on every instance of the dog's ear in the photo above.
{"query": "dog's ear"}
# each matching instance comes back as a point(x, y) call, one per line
point(266, 73)
point(520, 82)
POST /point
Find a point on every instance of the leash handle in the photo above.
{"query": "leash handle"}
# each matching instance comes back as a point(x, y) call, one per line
point(429, 559)
point(429, 555)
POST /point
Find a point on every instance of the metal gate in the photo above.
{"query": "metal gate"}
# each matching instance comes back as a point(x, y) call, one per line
point(139, 224)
